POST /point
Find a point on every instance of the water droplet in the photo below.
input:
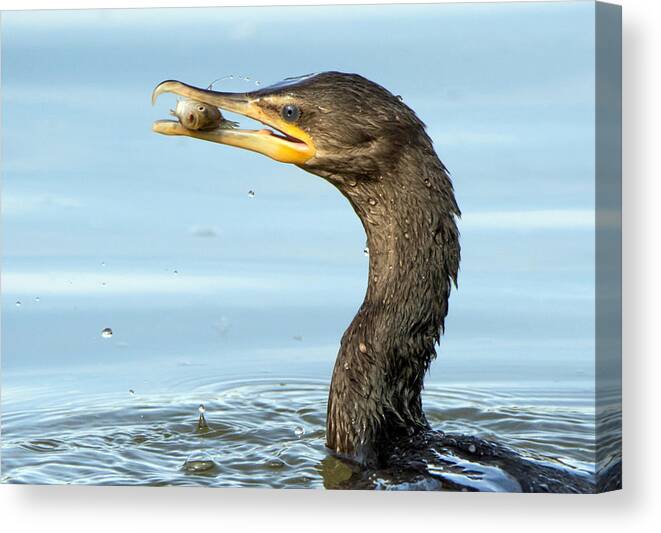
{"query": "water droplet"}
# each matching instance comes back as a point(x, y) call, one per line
point(18, 303)
point(199, 462)
point(298, 431)
point(366, 251)
point(131, 392)
point(202, 409)
point(257, 82)
point(298, 338)
point(106, 333)
point(175, 272)
point(37, 299)
point(372, 201)
point(202, 426)
point(251, 194)
point(103, 263)
point(362, 347)
point(103, 284)
point(346, 366)
point(399, 97)
point(472, 448)
point(247, 78)
point(406, 235)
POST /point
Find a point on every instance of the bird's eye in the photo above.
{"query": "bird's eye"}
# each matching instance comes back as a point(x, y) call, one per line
point(291, 113)
point(200, 108)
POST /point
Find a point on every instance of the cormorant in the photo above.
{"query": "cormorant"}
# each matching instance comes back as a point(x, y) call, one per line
point(374, 149)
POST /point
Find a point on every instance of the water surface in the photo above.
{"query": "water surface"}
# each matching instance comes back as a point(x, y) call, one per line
point(137, 423)
point(228, 280)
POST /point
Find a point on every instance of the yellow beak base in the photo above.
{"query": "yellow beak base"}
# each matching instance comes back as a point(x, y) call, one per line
point(296, 148)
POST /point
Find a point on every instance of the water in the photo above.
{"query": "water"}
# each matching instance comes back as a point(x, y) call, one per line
point(260, 431)
point(214, 377)
point(250, 325)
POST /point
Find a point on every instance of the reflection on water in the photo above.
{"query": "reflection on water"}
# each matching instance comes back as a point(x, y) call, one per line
point(218, 375)
point(194, 254)
point(267, 433)
point(223, 382)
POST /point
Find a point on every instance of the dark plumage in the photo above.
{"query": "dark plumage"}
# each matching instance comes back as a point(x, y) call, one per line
point(374, 149)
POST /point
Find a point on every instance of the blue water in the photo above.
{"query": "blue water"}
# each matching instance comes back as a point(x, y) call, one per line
point(238, 301)
point(256, 348)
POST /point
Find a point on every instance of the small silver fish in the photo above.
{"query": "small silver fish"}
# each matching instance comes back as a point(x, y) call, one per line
point(195, 115)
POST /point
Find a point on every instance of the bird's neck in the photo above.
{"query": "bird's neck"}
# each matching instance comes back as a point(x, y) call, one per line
point(409, 221)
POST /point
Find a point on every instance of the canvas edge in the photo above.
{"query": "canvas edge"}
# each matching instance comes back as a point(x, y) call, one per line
point(608, 247)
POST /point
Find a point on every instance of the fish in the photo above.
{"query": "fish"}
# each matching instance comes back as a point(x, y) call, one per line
point(195, 115)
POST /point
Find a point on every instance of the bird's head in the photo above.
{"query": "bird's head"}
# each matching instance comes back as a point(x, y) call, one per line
point(331, 124)
point(374, 149)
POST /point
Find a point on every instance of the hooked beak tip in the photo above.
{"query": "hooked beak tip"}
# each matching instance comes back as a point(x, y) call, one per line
point(167, 86)
point(156, 92)
point(280, 148)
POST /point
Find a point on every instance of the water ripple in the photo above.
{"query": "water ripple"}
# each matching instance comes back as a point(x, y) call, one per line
point(267, 433)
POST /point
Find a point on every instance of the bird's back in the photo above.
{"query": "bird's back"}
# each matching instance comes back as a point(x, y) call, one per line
point(433, 460)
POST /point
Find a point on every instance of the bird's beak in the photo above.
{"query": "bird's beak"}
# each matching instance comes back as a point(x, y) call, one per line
point(288, 143)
